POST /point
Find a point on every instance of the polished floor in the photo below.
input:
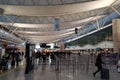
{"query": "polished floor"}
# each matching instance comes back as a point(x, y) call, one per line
point(70, 68)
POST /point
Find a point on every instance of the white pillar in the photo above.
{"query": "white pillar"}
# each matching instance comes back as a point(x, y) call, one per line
point(116, 34)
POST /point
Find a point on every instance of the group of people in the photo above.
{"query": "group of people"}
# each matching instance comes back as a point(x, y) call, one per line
point(46, 56)
point(10, 59)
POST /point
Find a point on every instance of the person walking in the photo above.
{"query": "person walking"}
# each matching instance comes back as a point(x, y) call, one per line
point(98, 64)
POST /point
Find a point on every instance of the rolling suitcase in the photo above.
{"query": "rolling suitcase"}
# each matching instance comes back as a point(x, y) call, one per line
point(118, 66)
point(105, 73)
point(118, 69)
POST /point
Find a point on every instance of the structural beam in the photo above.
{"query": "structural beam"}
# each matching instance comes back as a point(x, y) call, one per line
point(115, 10)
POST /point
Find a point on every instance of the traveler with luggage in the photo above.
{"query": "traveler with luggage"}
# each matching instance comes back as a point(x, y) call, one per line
point(98, 64)
point(104, 72)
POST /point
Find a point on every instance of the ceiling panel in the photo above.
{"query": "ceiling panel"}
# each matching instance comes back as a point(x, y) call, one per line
point(55, 10)
point(42, 2)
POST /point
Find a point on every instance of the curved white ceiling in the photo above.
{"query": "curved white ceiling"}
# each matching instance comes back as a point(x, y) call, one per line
point(63, 25)
point(45, 32)
point(47, 36)
point(46, 39)
point(48, 32)
point(25, 25)
point(55, 10)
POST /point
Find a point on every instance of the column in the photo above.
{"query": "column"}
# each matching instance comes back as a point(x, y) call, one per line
point(62, 47)
point(116, 34)
point(29, 57)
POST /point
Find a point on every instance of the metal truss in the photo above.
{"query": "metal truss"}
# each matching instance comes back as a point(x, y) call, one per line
point(50, 19)
point(114, 8)
point(97, 26)
point(88, 33)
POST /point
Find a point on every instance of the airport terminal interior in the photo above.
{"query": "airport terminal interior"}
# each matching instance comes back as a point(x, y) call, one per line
point(59, 39)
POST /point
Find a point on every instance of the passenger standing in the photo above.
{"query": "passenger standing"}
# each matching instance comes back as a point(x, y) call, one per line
point(44, 57)
point(98, 64)
point(13, 62)
point(17, 59)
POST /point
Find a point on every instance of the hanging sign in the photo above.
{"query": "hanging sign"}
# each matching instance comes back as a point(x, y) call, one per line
point(57, 24)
